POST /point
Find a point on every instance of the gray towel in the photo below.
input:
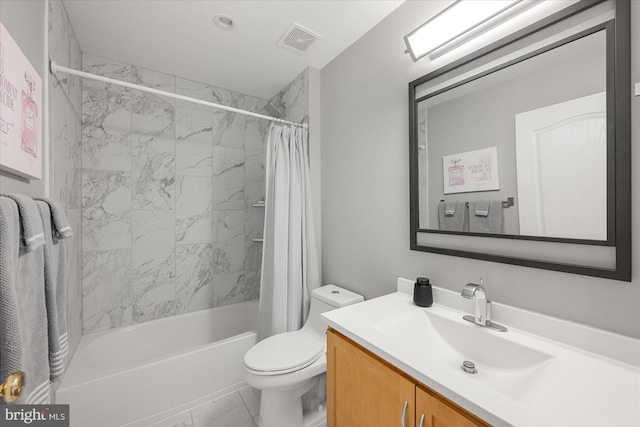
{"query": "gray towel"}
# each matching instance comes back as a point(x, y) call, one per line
point(23, 320)
point(491, 223)
point(453, 222)
point(32, 236)
point(449, 208)
point(61, 225)
point(481, 208)
point(55, 291)
point(10, 331)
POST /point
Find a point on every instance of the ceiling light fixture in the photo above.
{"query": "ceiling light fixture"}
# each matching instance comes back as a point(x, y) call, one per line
point(459, 23)
point(224, 22)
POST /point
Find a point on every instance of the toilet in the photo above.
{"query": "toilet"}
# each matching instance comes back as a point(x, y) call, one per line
point(288, 365)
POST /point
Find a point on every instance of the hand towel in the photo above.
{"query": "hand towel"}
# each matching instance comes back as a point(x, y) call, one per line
point(32, 235)
point(449, 208)
point(61, 226)
point(491, 223)
point(55, 291)
point(10, 331)
point(23, 320)
point(481, 208)
point(453, 222)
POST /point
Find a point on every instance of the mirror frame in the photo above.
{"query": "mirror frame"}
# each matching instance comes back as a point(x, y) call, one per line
point(618, 150)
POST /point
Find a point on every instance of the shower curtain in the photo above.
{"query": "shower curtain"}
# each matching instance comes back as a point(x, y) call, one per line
point(289, 254)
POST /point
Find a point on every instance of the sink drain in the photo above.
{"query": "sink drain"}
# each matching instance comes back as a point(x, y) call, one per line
point(469, 367)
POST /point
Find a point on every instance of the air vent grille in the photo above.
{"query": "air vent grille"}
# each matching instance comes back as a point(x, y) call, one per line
point(298, 39)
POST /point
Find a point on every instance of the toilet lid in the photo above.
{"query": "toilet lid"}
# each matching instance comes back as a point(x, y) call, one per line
point(282, 353)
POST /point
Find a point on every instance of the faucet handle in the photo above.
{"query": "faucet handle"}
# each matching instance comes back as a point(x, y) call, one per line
point(469, 290)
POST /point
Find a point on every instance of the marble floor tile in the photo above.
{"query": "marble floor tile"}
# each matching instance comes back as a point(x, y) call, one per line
point(180, 420)
point(251, 398)
point(228, 411)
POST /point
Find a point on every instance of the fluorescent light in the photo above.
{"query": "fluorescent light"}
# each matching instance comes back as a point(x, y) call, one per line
point(460, 22)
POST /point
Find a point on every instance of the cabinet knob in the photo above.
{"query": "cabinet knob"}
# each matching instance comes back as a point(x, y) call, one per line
point(404, 412)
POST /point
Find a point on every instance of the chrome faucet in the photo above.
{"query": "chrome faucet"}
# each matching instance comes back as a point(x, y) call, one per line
point(483, 306)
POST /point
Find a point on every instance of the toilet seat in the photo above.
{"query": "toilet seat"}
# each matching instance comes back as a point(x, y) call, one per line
point(283, 353)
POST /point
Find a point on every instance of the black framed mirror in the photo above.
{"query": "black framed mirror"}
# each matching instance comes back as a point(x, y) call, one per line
point(520, 152)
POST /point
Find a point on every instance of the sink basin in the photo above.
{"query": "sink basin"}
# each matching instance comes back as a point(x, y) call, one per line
point(444, 334)
point(523, 378)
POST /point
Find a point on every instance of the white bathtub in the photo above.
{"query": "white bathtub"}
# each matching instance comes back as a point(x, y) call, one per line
point(141, 374)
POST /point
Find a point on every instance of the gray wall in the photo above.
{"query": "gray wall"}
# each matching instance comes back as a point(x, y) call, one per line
point(25, 22)
point(466, 124)
point(65, 107)
point(365, 195)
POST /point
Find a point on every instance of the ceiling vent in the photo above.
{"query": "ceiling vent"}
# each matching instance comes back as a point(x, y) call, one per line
point(298, 39)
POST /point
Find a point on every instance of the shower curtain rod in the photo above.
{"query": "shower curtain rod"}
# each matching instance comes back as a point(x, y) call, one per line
point(56, 68)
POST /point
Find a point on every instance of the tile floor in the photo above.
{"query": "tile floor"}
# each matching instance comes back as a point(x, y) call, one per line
point(238, 409)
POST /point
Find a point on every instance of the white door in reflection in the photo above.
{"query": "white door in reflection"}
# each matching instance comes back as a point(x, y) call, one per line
point(561, 154)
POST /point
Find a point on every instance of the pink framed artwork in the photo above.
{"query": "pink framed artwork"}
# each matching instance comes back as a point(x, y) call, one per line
point(20, 111)
point(471, 171)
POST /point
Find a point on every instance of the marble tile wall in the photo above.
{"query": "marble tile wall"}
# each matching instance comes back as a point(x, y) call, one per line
point(168, 189)
point(65, 104)
point(293, 99)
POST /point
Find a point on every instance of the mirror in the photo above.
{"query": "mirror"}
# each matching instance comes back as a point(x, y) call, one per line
point(524, 142)
point(530, 137)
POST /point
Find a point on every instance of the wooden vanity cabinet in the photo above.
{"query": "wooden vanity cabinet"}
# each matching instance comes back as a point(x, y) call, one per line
point(364, 390)
point(440, 412)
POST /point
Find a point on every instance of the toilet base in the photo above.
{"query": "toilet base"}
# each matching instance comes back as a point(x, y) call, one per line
point(317, 418)
point(283, 408)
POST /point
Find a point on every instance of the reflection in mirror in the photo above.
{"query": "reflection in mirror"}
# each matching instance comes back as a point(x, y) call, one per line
point(533, 133)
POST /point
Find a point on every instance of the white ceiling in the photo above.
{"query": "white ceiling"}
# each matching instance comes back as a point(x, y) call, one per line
point(178, 37)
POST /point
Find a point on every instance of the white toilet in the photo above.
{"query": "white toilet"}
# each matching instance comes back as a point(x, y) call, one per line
point(286, 366)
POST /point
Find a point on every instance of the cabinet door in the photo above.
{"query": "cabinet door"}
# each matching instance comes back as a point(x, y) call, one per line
point(364, 391)
point(433, 410)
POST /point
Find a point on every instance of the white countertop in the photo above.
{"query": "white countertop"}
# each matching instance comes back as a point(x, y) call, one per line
point(594, 381)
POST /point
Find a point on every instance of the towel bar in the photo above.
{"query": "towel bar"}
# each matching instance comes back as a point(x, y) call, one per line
point(505, 203)
point(12, 388)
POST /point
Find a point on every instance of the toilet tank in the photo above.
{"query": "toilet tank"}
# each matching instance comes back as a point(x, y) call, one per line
point(326, 298)
point(335, 296)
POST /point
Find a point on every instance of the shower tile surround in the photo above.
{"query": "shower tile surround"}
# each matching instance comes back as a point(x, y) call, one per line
point(167, 195)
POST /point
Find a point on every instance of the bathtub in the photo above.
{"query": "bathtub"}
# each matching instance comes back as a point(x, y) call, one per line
point(141, 374)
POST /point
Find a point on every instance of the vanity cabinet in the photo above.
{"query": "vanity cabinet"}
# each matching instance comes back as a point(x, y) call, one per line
point(364, 390)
